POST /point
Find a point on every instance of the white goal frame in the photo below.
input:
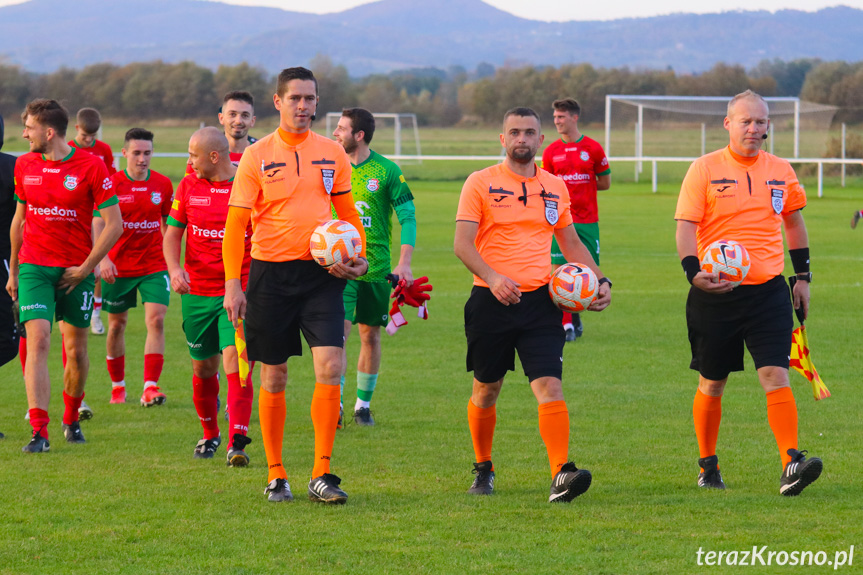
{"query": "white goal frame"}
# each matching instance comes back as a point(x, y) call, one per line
point(397, 118)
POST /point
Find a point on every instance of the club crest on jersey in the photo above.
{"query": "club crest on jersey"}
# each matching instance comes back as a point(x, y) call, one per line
point(156, 197)
point(584, 156)
point(70, 183)
point(777, 198)
point(373, 184)
point(328, 178)
point(551, 214)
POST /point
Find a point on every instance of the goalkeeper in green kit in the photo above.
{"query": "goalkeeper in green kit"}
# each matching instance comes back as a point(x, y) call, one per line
point(378, 189)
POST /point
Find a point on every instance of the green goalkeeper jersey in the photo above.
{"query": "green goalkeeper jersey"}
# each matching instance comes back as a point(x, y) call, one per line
point(378, 188)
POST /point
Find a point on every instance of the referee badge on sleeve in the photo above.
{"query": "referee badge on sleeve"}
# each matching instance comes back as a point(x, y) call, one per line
point(777, 198)
point(551, 214)
point(328, 177)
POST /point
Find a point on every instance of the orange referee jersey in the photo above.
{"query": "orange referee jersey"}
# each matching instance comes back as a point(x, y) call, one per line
point(517, 217)
point(289, 188)
point(728, 200)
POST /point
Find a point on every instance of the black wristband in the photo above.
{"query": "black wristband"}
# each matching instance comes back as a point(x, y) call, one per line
point(691, 267)
point(800, 260)
point(605, 280)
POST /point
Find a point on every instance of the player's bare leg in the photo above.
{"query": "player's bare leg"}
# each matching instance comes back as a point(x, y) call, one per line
point(329, 365)
point(154, 353)
point(74, 379)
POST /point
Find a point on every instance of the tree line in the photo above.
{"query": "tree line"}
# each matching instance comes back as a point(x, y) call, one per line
point(185, 90)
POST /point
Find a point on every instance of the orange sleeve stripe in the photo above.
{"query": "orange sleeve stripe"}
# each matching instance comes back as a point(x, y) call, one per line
point(233, 245)
point(347, 211)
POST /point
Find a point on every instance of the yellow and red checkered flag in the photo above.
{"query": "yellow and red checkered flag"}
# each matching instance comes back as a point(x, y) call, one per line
point(802, 362)
point(242, 353)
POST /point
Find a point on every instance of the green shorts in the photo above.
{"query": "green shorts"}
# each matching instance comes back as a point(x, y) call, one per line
point(123, 293)
point(39, 298)
point(206, 325)
point(367, 302)
point(589, 236)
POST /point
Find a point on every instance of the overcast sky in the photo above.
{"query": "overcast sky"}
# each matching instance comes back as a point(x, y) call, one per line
point(586, 10)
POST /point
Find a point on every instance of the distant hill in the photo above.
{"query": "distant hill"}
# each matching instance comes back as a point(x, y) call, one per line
point(43, 35)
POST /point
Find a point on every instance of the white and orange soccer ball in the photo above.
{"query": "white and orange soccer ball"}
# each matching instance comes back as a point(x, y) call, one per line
point(335, 241)
point(573, 287)
point(727, 258)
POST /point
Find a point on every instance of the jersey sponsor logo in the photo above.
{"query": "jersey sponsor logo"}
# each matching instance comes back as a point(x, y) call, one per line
point(366, 221)
point(70, 183)
point(156, 197)
point(220, 190)
point(499, 194)
point(144, 189)
point(194, 201)
point(584, 156)
point(576, 177)
point(34, 306)
point(208, 232)
point(107, 184)
point(551, 213)
point(52, 211)
point(32, 180)
point(175, 205)
point(328, 177)
point(559, 158)
point(571, 149)
point(271, 169)
point(361, 207)
point(373, 184)
point(126, 198)
point(145, 225)
point(604, 162)
point(50, 170)
point(777, 199)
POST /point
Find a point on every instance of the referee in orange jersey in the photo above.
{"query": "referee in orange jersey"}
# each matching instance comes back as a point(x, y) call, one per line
point(745, 194)
point(507, 215)
point(286, 184)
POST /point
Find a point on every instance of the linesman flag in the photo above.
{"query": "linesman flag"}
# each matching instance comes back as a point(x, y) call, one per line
point(801, 360)
point(242, 353)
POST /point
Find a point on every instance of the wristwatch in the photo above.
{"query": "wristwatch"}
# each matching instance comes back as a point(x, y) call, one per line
point(608, 281)
point(805, 277)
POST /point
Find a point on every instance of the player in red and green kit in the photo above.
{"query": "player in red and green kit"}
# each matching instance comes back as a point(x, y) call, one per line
point(53, 258)
point(378, 188)
point(583, 166)
point(136, 264)
point(199, 210)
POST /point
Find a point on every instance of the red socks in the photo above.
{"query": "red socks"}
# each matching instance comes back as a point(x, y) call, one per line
point(22, 352)
point(239, 406)
point(39, 421)
point(70, 413)
point(205, 395)
point(153, 363)
point(117, 369)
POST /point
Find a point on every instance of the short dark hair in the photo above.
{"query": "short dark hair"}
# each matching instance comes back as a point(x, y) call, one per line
point(48, 113)
point(240, 95)
point(139, 134)
point(567, 105)
point(521, 111)
point(361, 119)
point(297, 73)
point(89, 120)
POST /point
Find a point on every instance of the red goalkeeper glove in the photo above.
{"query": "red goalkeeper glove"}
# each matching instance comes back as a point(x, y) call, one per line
point(416, 296)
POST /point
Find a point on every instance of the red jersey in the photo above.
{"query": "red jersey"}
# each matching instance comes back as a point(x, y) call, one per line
point(101, 150)
point(201, 207)
point(577, 164)
point(143, 204)
point(60, 197)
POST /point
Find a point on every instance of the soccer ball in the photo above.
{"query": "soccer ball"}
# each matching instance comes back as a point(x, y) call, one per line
point(335, 241)
point(727, 258)
point(573, 287)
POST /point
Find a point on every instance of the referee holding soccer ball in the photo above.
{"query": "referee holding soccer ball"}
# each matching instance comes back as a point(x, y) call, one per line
point(742, 193)
point(507, 215)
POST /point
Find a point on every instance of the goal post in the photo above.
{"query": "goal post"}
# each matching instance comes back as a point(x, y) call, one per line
point(405, 130)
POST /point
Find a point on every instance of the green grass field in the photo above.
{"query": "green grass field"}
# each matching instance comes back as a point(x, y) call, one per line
point(133, 500)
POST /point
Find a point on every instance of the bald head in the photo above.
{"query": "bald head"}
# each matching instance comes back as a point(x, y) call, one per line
point(209, 154)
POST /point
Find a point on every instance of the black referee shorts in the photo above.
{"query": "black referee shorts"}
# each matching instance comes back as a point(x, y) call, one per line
point(495, 332)
point(719, 324)
point(285, 298)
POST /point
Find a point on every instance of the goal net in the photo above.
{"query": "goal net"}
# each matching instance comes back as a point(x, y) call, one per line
point(689, 126)
point(395, 134)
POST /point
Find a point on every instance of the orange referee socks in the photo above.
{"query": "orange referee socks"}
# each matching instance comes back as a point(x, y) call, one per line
point(481, 421)
point(325, 418)
point(707, 414)
point(782, 417)
point(554, 430)
point(272, 412)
